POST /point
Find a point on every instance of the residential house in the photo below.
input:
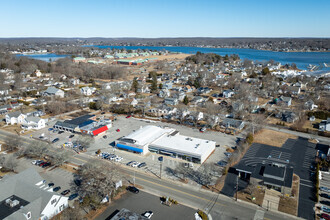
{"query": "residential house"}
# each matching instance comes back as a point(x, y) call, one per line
point(228, 93)
point(197, 99)
point(164, 93)
point(171, 101)
point(26, 196)
point(87, 91)
point(75, 81)
point(324, 125)
point(283, 99)
point(289, 117)
point(32, 122)
point(233, 123)
point(293, 90)
point(15, 118)
point(310, 105)
point(52, 91)
point(203, 90)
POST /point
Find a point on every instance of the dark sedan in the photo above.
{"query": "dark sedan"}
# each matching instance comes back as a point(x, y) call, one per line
point(133, 189)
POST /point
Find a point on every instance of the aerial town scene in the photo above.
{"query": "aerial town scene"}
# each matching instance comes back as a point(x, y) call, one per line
point(164, 110)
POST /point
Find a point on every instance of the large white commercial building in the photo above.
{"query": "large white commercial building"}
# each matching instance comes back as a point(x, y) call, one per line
point(166, 141)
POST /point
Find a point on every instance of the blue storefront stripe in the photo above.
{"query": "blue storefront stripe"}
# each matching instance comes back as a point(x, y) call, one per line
point(129, 148)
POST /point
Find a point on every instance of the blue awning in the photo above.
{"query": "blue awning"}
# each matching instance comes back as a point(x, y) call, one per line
point(129, 148)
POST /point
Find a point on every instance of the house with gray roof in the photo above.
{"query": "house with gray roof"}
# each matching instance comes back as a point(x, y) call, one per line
point(26, 196)
point(15, 118)
point(52, 91)
point(33, 122)
point(233, 123)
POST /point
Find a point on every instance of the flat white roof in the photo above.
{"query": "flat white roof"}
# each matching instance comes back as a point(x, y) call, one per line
point(185, 145)
point(148, 134)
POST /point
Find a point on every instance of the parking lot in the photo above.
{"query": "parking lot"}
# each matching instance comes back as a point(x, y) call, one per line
point(141, 202)
point(324, 198)
point(128, 125)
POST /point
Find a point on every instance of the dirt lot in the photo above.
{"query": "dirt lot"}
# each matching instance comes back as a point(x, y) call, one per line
point(258, 193)
point(289, 204)
point(273, 138)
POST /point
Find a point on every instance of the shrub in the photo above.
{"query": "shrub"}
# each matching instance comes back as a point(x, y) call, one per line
point(202, 214)
point(249, 138)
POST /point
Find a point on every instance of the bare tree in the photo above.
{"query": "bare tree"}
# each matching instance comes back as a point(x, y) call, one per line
point(98, 180)
point(13, 142)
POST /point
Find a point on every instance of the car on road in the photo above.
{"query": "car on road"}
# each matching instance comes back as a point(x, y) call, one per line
point(133, 189)
point(142, 165)
point(56, 188)
point(325, 189)
point(55, 140)
point(50, 184)
point(148, 214)
point(73, 196)
point(71, 136)
point(105, 137)
point(325, 209)
point(118, 130)
point(65, 192)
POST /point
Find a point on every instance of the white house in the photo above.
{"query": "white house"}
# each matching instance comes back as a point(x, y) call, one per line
point(26, 196)
point(87, 91)
point(52, 91)
point(32, 122)
point(15, 118)
point(228, 93)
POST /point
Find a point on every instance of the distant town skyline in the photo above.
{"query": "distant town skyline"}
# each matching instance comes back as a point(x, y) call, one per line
point(170, 18)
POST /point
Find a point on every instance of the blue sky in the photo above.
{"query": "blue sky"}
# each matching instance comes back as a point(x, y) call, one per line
point(165, 18)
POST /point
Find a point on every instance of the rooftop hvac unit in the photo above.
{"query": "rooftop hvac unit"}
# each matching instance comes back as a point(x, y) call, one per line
point(11, 203)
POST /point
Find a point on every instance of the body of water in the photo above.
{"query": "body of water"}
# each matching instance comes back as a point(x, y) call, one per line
point(48, 57)
point(301, 59)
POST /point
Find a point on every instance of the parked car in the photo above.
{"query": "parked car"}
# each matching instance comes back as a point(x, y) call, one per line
point(47, 164)
point(118, 130)
point(128, 116)
point(39, 162)
point(73, 196)
point(60, 132)
point(55, 140)
point(102, 113)
point(133, 189)
point(65, 192)
point(71, 136)
point(148, 214)
point(203, 129)
point(50, 184)
point(77, 182)
point(142, 165)
point(325, 216)
point(228, 154)
point(222, 163)
point(218, 145)
point(34, 162)
point(135, 164)
point(324, 195)
point(118, 159)
point(50, 129)
point(325, 209)
point(325, 189)
point(129, 163)
point(56, 188)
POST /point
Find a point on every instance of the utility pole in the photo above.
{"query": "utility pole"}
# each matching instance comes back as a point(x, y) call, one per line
point(161, 164)
point(236, 186)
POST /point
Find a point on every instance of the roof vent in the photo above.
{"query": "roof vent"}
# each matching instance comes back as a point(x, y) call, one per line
point(12, 203)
